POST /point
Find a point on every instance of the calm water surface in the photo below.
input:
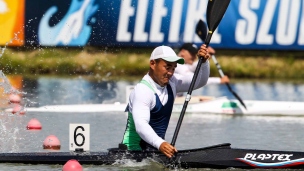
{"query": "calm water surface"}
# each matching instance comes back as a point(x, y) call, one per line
point(198, 130)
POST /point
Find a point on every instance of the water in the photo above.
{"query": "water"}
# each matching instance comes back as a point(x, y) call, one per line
point(197, 130)
point(50, 90)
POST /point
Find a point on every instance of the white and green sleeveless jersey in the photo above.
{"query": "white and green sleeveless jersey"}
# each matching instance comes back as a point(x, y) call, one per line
point(142, 100)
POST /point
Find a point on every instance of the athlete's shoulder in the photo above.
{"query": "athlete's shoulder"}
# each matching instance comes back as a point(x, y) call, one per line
point(144, 86)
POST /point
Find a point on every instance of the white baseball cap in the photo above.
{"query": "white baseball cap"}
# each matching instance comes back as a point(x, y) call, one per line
point(166, 53)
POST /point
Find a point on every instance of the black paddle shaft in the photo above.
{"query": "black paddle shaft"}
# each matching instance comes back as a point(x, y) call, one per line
point(227, 84)
point(215, 12)
point(188, 97)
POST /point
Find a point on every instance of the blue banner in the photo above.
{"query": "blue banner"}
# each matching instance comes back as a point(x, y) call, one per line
point(247, 24)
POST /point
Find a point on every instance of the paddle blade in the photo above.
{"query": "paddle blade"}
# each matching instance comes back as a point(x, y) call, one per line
point(201, 30)
point(215, 12)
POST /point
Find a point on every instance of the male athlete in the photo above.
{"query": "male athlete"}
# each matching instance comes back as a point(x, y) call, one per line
point(151, 102)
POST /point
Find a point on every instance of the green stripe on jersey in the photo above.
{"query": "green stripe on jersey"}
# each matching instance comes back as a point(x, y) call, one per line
point(131, 138)
point(147, 84)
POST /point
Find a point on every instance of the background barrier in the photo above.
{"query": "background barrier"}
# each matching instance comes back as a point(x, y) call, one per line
point(247, 24)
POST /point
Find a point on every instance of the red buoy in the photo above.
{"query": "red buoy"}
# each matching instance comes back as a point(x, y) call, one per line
point(34, 124)
point(18, 109)
point(14, 98)
point(51, 142)
point(72, 165)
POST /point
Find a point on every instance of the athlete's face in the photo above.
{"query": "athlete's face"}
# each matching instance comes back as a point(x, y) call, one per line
point(161, 71)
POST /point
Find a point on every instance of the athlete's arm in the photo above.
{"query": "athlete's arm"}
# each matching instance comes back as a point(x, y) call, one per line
point(183, 81)
point(214, 80)
point(193, 66)
point(142, 102)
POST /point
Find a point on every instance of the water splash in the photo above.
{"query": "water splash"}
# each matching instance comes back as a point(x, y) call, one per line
point(132, 163)
point(3, 49)
point(6, 44)
point(9, 123)
point(10, 133)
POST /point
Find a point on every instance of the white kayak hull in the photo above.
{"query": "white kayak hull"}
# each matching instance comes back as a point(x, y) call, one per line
point(227, 106)
point(220, 105)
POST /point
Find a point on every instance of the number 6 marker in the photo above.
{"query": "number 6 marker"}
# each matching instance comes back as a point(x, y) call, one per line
point(79, 137)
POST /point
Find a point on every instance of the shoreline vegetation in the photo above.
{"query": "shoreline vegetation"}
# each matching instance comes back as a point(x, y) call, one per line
point(133, 62)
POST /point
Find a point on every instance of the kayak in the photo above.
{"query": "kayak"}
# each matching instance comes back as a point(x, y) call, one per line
point(218, 156)
point(209, 105)
point(223, 105)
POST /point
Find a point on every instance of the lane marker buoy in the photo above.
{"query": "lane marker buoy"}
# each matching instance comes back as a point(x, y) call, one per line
point(51, 142)
point(72, 165)
point(34, 124)
point(14, 98)
point(18, 109)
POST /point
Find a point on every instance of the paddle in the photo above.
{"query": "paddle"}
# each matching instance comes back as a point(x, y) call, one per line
point(201, 31)
point(215, 12)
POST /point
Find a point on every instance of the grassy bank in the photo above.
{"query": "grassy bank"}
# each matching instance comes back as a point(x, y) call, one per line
point(134, 62)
